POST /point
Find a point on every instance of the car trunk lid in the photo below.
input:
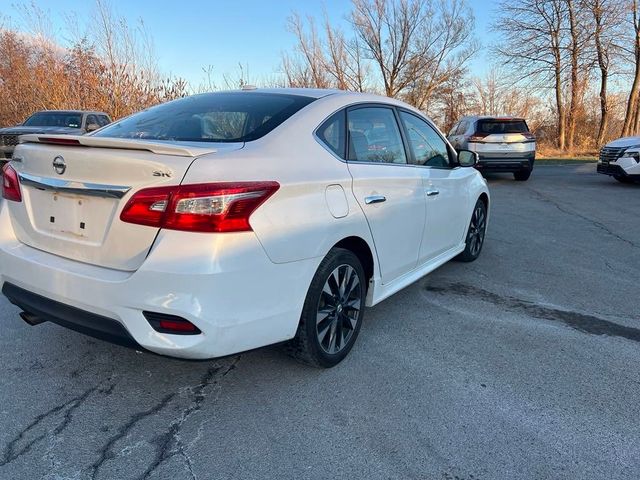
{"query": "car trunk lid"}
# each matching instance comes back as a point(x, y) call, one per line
point(74, 188)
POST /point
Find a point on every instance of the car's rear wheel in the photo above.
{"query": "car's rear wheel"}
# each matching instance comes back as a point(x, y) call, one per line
point(332, 312)
point(475, 233)
point(522, 175)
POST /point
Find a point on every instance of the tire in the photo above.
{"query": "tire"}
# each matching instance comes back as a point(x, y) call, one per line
point(522, 175)
point(331, 317)
point(622, 179)
point(475, 233)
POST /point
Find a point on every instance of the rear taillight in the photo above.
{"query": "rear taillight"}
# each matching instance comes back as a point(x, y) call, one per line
point(208, 207)
point(477, 137)
point(528, 135)
point(10, 184)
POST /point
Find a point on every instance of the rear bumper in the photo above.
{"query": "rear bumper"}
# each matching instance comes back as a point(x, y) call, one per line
point(511, 163)
point(97, 326)
point(224, 284)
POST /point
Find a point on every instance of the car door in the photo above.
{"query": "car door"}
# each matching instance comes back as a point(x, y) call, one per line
point(389, 190)
point(446, 187)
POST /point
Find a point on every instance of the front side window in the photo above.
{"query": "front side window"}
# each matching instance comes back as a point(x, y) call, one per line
point(374, 136)
point(211, 117)
point(332, 134)
point(429, 149)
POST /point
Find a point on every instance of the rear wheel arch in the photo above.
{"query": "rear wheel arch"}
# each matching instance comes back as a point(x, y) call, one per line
point(361, 249)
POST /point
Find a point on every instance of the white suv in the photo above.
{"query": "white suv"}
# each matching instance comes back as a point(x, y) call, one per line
point(621, 159)
point(225, 222)
point(504, 144)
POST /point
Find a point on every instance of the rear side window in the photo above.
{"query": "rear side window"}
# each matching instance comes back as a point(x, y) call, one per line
point(103, 120)
point(490, 127)
point(332, 133)
point(211, 117)
point(462, 128)
point(374, 136)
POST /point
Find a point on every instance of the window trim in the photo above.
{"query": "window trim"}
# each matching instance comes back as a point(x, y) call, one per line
point(453, 157)
point(394, 111)
point(345, 131)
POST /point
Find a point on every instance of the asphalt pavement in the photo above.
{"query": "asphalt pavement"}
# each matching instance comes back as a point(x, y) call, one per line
point(521, 365)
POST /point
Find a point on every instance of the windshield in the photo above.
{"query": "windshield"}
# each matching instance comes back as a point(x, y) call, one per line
point(54, 119)
point(211, 117)
point(502, 126)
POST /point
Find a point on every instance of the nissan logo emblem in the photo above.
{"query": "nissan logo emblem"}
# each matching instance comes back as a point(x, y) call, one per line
point(59, 165)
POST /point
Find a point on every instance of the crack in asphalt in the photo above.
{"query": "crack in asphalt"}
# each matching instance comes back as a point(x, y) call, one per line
point(12, 451)
point(167, 444)
point(106, 453)
point(601, 226)
point(582, 322)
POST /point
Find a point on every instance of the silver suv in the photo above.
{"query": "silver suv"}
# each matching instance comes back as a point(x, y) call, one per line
point(504, 144)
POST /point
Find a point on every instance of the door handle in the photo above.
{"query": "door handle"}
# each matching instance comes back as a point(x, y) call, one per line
point(432, 193)
point(375, 199)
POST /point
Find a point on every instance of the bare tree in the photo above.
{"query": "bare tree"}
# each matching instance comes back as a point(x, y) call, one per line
point(533, 44)
point(328, 61)
point(631, 117)
point(578, 39)
point(416, 45)
point(607, 17)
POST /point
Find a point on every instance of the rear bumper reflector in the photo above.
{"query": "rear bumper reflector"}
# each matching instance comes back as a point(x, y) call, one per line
point(172, 324)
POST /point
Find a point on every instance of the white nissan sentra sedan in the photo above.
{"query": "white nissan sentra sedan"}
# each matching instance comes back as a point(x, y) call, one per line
point(224, 222)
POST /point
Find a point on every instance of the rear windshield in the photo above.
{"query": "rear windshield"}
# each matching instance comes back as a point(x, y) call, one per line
point(502, 126)
point(211, 117)
point(54, 119)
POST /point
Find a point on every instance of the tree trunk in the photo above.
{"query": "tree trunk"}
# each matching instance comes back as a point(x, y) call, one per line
point(558, 90)
point(573, 105)
point(604, 75)
point(632, 103)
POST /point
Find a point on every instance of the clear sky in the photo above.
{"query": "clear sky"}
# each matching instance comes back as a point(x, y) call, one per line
point(193, 34)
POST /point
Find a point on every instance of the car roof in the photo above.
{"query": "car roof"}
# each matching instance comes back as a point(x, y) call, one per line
point(491, 117)
point(71, 112)
point(302, 92)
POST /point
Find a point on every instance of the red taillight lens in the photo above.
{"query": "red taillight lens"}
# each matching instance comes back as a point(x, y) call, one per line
point(147, 207)
point(209, 207)
point(10, 184)
point(477, 137)
point(164, 323)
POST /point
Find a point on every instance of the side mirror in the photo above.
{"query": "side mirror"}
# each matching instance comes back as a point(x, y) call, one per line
point(92, 127)
point(467, 158)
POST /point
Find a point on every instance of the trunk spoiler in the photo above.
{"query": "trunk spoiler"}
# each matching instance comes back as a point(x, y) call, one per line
point(161, 148)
